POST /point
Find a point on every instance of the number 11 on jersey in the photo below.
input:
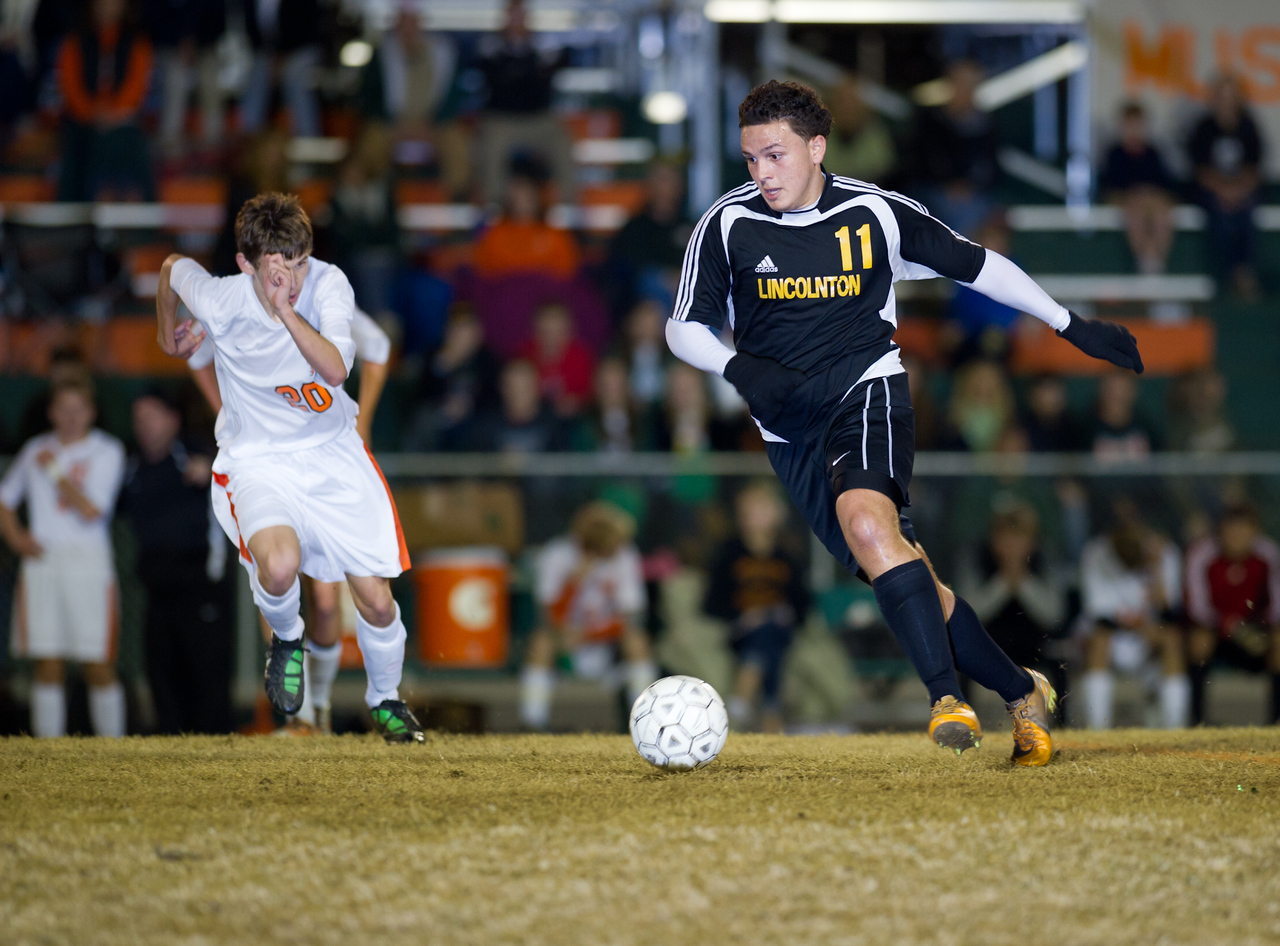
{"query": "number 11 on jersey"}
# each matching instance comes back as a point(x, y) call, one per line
point(846, 250)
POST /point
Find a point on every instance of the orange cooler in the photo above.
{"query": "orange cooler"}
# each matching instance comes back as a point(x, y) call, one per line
point(464, 616)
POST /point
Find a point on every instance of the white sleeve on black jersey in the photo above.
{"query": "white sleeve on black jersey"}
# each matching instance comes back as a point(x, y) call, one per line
point(929, 247)
point(705, 277)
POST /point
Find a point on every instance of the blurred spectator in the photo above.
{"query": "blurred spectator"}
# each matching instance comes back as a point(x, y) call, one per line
point(186, 33)
point(1018, 604)
point(565, 365)
point(647, 352)
point(286, 46)
point(981, 407)
point(759, 588)
point(182, 563)
point(615, 423)
point(1226, 150)
point(685, 425)
point(922, 400)
point(955, 154)
point(1048, 423)
point(1197, 413)
point(646, 254)
point(590, 587)
point(459, 382)
point(1131, 580)
point(18, 64)
point(518, 115)
point(985, 323)
point(1233, 604)
point(523, 424)
point(859, 145)
point(520, 240)
point(364, 228)
point(68, 600)
point(103, 73)
point(258, 165)
point(1135, 177)
point(1118, 431)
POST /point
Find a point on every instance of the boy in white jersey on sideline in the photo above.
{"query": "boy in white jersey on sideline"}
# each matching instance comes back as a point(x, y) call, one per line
point(324, 635)
point(294, 486)
point(66, 606)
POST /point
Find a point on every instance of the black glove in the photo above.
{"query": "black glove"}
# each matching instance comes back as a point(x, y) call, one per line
point(1105, 340)
point(764, 384)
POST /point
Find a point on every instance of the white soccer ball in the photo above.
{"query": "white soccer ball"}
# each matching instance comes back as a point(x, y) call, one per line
point(679, 723)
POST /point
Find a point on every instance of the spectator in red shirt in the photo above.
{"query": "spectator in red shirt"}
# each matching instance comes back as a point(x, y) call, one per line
point(565, 365)
point(1233, 604)
point(103, 72)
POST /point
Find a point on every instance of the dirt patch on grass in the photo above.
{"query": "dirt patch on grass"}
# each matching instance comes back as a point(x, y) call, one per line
point(1131, 836)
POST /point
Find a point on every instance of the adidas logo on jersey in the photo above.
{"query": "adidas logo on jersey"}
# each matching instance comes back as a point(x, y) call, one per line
point(766, 266)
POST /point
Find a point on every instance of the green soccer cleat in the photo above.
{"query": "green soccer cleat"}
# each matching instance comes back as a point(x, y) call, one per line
point(284, 675)
point(396, 722)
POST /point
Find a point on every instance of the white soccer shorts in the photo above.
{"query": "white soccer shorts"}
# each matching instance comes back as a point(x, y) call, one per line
point(333, 496)
point(66, 607)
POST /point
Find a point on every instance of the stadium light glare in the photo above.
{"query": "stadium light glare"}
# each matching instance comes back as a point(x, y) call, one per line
point(664, 108)
point(356, 53)
point(895, 11)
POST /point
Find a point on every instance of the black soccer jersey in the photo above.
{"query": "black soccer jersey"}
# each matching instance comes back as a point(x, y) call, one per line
point(813, 289)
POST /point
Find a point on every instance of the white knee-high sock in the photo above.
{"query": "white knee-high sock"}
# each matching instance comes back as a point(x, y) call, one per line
point(536, 686)
point(106, 710)
point(48, 710)
point(1175, 701)
point(322, 669)
point(383, 651)
point(283, 612)
point(1099, 698)
point(640, 673)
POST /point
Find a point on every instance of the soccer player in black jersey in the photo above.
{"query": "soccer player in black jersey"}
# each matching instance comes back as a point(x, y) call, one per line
point(803, 263)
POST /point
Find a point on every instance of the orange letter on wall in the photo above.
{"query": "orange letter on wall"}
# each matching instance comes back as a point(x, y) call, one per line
point(1259, 60)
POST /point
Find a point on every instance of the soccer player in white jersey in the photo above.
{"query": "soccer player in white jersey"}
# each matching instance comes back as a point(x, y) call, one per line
point(324, 633)
point(294, 486)
point(66, 606)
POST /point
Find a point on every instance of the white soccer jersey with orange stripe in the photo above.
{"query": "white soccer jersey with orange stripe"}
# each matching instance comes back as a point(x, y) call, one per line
point(273, 401)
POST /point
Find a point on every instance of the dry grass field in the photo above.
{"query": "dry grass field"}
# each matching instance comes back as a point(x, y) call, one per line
point(1128, 837)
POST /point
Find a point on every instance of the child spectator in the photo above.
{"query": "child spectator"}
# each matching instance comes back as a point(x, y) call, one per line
point(565, 365)
point(103, 73)
point(1226, 150)
point(66, 606)
point(1048, 424)
point(1131, 581)
point(1017, 603)
point(459, 383)
point(981, 407)
point(685, 425)
point(521, 241)
point(523, 424)
point(590, 586)
point(1119, 433)
point(1233, 604)
point(647, 351)
point(1135, 177)
point(1197, 415)
point(759, 588)
point(615, 425)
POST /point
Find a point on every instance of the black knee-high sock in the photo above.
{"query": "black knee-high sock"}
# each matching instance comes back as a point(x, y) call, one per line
point(981, 658)
point(908, 599)
point(1275, 698)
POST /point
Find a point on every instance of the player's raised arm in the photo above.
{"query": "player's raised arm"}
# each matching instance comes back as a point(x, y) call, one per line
point(321, 353)
point(177, 339)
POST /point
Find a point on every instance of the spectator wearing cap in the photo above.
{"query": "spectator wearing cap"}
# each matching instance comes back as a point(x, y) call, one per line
point(182, 559)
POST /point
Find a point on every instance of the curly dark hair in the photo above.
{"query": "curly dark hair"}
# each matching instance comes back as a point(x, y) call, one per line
point(793, 102)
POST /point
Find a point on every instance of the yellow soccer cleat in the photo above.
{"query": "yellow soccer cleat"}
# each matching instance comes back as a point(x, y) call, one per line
point(1031, 742)
point(954, 725)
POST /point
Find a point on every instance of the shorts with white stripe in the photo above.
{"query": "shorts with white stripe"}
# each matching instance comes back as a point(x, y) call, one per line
point(870, 443)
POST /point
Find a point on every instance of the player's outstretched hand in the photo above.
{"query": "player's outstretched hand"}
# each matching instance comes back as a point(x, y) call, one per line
point(1105, 340)
point(764, 384)
point(187, 337)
